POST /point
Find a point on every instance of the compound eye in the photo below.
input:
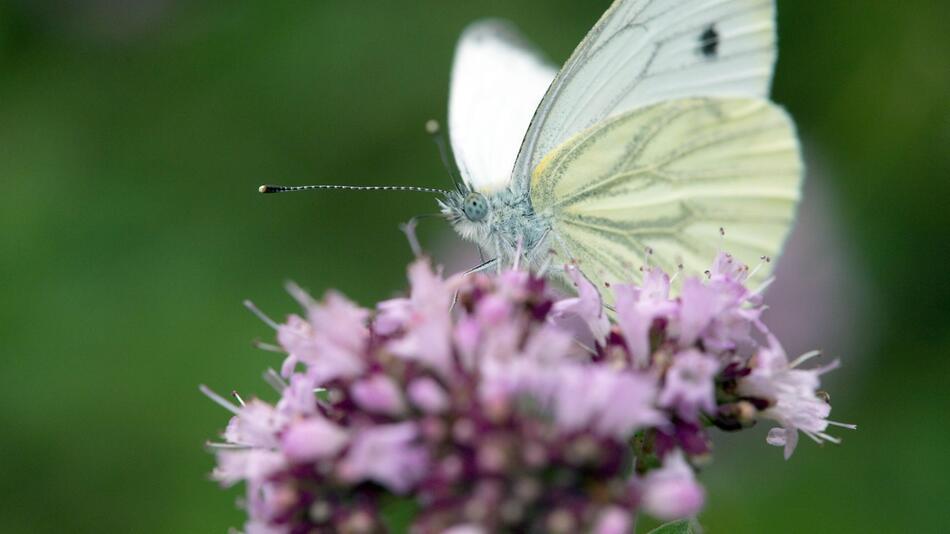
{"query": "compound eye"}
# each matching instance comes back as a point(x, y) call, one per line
point(475, 207)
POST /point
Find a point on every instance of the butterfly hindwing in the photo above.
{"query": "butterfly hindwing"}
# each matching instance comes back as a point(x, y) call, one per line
point(666, 178)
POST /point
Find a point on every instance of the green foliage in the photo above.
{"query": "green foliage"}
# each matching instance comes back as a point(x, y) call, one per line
point(683, 526)
point(398, 512)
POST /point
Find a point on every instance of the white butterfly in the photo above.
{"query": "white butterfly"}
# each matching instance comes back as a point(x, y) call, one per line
point(656, 134)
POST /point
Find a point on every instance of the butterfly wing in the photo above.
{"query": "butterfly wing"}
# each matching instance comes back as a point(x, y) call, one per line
point(646, 51)
point(498, 80)
point(667, 177)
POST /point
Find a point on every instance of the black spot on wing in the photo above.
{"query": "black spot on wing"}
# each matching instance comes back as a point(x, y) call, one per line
point(709, 42)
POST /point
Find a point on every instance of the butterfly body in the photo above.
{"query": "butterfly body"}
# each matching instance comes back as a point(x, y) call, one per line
point(506, 226)
point(655, 136)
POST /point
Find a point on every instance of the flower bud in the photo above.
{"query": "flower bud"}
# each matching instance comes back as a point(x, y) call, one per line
point(312, 439)
point(672, 492)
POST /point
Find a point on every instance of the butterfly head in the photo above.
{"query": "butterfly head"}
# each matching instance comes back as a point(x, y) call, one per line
point(468, 211)
point(499, 222)
point(475, 207)
point(464, 206)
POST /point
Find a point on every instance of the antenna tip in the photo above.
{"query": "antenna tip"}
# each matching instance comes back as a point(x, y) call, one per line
point(432, 126)
point(268, 189)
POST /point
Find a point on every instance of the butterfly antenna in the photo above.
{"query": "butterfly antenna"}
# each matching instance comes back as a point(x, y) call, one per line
point(295, 188)
point(434, 129)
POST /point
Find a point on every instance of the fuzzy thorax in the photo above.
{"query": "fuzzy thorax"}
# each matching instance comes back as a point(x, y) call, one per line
point(500, 223)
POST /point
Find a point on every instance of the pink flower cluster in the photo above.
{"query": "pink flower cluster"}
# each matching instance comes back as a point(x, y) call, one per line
point(478, 398)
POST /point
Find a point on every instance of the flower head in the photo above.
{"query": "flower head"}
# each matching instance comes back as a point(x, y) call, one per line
point(792, 394)
point(329, 341)
point(474, 397)
point(388, 454)
point(690, 386)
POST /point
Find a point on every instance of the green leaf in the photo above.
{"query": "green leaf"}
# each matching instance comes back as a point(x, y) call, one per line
point(683, 526)
point(398, 512)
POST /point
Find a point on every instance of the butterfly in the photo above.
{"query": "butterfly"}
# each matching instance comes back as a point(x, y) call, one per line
point(655, 136)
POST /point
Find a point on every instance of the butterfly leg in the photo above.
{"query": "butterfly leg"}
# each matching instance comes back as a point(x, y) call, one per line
point(481, 267)
point(536, 252)
point(560, 248)
point(478, 268)
point(499, 242)
point(530, 254)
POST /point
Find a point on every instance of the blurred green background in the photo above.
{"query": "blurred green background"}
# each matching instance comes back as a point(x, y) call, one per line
point(133, 135)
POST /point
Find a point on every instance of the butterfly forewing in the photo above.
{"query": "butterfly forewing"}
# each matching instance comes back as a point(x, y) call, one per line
point(646, 51)
point(666, 178)
point(498, 80)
